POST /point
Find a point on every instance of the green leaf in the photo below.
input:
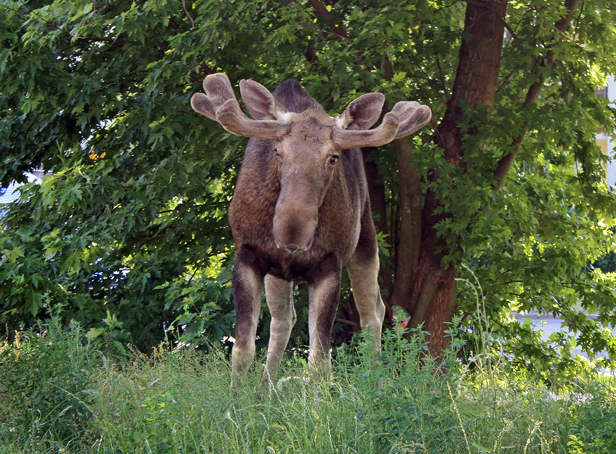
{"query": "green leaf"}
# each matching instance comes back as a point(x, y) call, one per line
point(93, 333)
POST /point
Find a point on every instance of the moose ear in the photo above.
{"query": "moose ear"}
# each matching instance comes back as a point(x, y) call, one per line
point(412, 117)
point(362, 113)
point(259, 102)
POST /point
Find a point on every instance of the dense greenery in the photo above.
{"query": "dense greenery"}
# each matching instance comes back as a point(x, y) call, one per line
point(176, 400)
point(129, 234)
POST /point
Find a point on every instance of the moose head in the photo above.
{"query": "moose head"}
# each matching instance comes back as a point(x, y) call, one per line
point(308, 144)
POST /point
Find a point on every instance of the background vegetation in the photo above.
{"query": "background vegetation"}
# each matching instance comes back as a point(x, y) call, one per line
point(59, 394)
point(129, 235)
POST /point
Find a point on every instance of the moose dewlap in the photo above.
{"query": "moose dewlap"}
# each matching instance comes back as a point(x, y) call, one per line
point(301, 210)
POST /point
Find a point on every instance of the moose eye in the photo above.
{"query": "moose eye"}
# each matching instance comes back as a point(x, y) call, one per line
point(277, 153)
point(334, 159)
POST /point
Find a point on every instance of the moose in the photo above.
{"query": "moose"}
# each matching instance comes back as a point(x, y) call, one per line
point(300, 211)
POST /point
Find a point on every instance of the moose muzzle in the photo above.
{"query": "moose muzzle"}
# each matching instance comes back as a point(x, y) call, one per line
point(294, 226)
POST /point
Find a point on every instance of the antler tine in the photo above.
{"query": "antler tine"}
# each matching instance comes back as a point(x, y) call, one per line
point(385, 133)
point(219, 104)
point(413, 116)
point(218, 90)
point(231, 117)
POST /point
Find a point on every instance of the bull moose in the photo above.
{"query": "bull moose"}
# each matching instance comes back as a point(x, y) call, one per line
point(300, 211)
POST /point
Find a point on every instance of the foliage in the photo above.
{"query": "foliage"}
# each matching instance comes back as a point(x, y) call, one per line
point(129, 234)
point(46, 389)
point(593, 419)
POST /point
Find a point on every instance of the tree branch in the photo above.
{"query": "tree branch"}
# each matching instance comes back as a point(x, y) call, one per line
point(99, 10)
point(505, 163)
point(329, 19)
point(347, 322)
point(189, 16)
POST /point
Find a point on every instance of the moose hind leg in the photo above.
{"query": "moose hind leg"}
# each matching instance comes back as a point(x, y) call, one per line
point(247, 290)
point(363, 271)
point(279, 296)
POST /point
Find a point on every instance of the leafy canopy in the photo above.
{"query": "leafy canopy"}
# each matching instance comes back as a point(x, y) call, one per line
point(129, 234)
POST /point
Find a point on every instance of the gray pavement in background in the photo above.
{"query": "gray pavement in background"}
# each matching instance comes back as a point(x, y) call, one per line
point(549, 324)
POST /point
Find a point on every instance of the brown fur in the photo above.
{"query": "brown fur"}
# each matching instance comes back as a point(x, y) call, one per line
point(301, 210)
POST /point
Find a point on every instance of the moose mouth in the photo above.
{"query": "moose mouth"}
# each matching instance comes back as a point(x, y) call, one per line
point(294, 248)
point(294, 235)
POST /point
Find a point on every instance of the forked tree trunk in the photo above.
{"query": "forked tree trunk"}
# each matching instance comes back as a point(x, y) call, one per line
point(425, 288)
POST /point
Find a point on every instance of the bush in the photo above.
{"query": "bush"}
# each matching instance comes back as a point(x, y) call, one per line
point(46, 389)
point(592, 419)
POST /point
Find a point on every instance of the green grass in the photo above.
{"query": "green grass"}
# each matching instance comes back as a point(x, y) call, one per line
point(59, 395)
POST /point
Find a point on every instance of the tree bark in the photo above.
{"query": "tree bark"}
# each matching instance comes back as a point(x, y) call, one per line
point(409, 241)
point(432, 288)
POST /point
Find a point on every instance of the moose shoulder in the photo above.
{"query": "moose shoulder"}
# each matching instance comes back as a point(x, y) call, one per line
point(300, 210)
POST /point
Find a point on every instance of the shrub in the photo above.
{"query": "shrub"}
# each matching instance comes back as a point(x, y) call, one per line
point(45, 389)
point(592, 418)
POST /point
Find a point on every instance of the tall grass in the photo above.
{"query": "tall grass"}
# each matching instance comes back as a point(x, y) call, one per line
point(58, 395)
point(45, 390)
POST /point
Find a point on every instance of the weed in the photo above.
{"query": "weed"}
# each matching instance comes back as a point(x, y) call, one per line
point(58, 395)
point(46, 389)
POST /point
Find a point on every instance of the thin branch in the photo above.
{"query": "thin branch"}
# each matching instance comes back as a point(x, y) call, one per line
point(577, 22)
point(506, 79)
point(442, 79)
point(329, 19)
point(346, 322)
point(506, 283)
point(99, 10)
point(189, 16)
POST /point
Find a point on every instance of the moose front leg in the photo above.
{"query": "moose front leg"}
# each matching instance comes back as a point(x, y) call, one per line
point(247, 290)
point(324, 297)
point(279, 296)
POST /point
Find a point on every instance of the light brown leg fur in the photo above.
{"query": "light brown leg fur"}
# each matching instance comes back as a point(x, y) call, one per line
point(324, 297)
point(364, 282)
point(279, 296)
point(248, 288)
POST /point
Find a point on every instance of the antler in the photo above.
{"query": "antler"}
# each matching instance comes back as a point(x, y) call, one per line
point(413, 116)
point(219, 104)
point(351, 129)
point(353, 125)
point(385, 133)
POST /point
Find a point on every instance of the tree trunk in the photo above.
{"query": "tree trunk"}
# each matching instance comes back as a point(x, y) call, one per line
point(427, 289)
point(433, 298)
point(409, 243)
